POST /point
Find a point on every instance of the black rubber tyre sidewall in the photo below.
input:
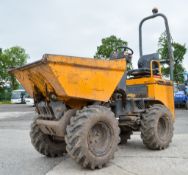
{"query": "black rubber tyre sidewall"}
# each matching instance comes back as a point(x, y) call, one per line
point(44, 144)
point(77, 134)
point(149, 127)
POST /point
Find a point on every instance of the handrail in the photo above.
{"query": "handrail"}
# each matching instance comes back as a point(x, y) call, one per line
point(151, 67)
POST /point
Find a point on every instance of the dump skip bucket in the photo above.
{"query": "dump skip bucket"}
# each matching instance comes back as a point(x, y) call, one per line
point(72, 77)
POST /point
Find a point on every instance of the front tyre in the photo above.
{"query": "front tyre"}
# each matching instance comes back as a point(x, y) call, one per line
point(92, 136)
point(46, 144)
point(157, 127)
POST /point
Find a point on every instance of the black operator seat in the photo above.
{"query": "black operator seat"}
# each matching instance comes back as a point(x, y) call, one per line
point(144, 66)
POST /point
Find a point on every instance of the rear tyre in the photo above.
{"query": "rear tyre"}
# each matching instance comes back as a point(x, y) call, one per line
point(46, 144)
point(92, 136)
point(125, 135)
point(157, 127)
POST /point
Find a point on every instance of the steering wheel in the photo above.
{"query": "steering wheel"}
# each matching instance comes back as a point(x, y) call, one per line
point(125, 48)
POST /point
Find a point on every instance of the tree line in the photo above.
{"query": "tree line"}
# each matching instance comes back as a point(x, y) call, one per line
point(10, 58)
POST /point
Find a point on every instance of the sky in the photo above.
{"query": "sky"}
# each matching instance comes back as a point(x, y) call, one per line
point(76, 27)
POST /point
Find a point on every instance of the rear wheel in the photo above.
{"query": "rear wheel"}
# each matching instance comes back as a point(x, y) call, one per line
point(125, 135)
point(92, 136)
point(46, 144)
point(157, 127)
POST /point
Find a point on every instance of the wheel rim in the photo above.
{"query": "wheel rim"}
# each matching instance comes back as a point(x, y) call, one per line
point(162, 127)
point(100, 139)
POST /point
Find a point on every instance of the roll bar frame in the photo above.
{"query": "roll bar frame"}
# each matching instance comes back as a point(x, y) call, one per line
point(170, 51)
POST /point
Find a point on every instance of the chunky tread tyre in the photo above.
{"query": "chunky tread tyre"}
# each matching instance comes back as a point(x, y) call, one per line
point(45, 144)
point(157, 127)
point(80, 142)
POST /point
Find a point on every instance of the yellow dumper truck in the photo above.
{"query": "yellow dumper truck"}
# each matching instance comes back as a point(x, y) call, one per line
point(86, 107)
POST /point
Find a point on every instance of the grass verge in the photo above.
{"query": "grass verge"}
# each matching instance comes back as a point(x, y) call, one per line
point(5, 102)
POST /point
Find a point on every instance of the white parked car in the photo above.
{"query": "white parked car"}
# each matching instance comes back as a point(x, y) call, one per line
point(18, 96)
point(29, 100)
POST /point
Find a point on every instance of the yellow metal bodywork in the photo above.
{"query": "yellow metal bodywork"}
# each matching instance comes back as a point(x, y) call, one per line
point(72, 77)
point(158, 89)
point(76, 80)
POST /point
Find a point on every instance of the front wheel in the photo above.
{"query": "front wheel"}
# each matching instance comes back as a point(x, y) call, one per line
point(92, 136)
point(46, 144)
point(157, 127)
